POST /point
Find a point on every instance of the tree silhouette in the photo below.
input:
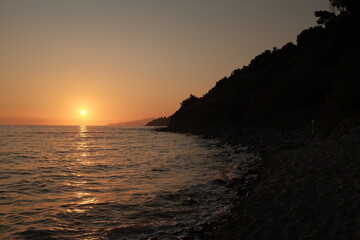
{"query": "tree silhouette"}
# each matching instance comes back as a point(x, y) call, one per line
point(309, 35)
point(346, 6)
point(325, 17)
point(190, 100)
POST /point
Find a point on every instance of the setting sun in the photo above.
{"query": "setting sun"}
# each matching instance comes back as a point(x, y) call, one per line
point(83, 112)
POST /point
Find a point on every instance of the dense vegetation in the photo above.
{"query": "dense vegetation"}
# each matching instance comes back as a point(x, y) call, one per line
point(316, 78)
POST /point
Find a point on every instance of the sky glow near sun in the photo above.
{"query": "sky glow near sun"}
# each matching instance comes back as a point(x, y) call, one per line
point(131, 59)
point(83, 112)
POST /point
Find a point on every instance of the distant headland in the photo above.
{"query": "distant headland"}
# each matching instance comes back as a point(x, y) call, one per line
point(136, 123)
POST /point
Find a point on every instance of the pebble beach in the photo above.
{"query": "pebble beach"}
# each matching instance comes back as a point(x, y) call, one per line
point(307, 188)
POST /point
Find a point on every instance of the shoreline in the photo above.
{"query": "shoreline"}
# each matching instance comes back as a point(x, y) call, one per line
point(307, 188)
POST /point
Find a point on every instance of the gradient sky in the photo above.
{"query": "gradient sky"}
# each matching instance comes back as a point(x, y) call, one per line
point(130, 59)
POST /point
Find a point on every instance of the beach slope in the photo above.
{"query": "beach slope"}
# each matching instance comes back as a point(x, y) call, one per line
point(306, 190)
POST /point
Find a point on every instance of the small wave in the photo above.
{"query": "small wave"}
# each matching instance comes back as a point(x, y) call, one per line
point(26, 156)
point(129, 184)
point(159, 169)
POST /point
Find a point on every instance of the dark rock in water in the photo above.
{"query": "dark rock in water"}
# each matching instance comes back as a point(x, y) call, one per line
point(242, 192)
point(233, 182)
point(152, 238)
point(218, 181)
point(191, 200)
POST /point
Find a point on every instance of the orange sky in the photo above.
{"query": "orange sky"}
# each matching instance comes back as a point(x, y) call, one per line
point(129, 60)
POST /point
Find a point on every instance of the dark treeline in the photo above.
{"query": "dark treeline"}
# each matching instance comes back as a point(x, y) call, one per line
point(317, 79)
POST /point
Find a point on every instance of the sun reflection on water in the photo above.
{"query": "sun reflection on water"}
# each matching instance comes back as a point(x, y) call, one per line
point(95, 179)
point(83, 146)
point(80, 186)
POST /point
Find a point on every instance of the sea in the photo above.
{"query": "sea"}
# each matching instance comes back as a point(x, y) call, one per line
point(102, 182)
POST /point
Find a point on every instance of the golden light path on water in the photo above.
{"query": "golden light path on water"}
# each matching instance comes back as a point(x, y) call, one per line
point(82, 159)
point(85, 182)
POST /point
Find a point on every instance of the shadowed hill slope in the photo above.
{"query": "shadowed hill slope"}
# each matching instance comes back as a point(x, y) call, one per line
point(318, 78)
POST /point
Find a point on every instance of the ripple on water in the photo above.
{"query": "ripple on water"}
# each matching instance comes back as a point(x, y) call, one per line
point(108, 183)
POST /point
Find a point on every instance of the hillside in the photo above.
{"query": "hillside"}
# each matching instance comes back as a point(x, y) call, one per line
point(315, 80)
point(306, 187)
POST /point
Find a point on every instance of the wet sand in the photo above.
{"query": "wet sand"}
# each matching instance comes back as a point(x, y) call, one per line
point(306, 189)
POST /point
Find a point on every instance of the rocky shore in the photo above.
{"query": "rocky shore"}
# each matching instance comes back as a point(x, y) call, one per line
point(307, 188)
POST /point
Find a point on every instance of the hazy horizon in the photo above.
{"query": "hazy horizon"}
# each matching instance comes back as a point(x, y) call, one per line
point(110, 124)
point(129, 60)
point(133, 123)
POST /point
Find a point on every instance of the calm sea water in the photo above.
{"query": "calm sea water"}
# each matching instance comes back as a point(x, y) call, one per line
point(78, 182)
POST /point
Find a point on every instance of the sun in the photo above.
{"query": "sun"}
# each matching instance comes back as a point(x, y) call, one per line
point(83, 112)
